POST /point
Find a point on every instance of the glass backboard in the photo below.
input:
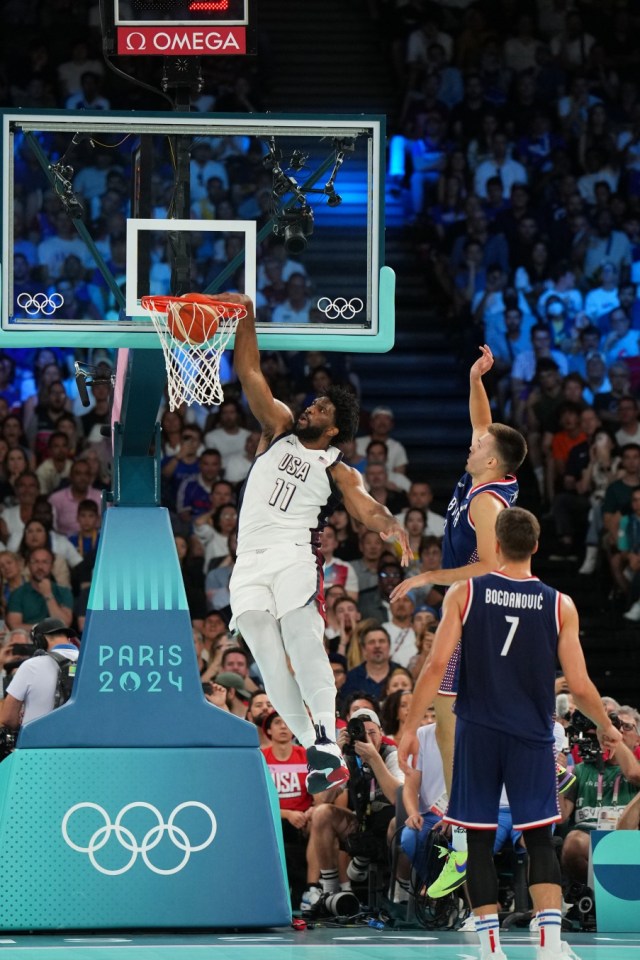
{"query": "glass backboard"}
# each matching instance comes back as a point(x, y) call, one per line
point(100, 209)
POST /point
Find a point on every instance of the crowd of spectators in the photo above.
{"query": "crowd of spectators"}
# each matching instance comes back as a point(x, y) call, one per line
point(516, 155)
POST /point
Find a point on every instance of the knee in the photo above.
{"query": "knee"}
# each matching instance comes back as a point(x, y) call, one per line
point(409, 842)
point(323, 818)
point(257, 625)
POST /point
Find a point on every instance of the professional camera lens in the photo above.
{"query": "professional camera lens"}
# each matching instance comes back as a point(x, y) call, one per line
point(342, 904)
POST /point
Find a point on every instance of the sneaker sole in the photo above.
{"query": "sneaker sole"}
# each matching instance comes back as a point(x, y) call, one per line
point(318, 782)
point(435, 894)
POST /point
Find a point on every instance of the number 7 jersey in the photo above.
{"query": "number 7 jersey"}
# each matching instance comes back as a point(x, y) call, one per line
point(287, 496)
point(508, 655)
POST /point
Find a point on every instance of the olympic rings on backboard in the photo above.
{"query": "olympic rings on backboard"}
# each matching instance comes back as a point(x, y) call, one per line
point(340, 307)
point(40, 303)
point(128, 841)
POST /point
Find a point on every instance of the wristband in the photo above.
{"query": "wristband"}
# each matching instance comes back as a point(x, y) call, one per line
point(565, 778)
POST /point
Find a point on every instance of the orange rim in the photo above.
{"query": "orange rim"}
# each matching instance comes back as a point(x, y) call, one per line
point(162, 304)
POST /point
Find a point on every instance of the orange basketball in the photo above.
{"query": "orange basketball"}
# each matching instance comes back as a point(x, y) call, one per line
point(195, 321)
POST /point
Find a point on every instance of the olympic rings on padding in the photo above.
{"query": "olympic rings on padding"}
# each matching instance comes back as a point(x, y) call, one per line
point(40, 303)
point(340, 307)
point(128, 841)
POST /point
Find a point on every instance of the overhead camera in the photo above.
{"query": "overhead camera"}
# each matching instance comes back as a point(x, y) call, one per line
point(282, 184)
point(298, 160)
point(70, 201)
point(296, 226)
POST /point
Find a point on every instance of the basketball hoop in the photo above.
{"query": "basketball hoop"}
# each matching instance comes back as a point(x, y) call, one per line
point(194, 331)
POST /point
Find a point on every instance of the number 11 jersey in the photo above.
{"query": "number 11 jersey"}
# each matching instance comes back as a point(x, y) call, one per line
point(287, 496)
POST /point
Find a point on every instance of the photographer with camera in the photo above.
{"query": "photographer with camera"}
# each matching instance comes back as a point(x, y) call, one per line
point(606, 781)
point(32, 691)
point(361, 829)
point(16, 647)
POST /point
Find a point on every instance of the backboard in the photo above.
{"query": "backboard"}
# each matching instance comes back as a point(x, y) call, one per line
point(99, 209)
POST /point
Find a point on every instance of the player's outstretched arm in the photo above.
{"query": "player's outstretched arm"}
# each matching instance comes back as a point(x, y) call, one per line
point(479, 407)
point(485, 509)
point(274, 416)
point(364, 508)
point(583, 690)
point(447, 636)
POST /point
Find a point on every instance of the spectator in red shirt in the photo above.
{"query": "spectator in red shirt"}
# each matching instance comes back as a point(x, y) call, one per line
point(287, 764)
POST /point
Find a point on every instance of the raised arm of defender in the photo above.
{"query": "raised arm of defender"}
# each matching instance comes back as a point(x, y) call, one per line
point(479, 407)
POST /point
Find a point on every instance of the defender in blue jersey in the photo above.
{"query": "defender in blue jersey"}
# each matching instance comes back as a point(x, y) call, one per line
point(511, 628)
point(487, 487)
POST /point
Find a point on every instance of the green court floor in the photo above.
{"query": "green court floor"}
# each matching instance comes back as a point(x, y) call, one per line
point(358, 943)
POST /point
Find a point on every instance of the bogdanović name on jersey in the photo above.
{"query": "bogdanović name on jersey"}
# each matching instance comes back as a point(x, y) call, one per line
point(509, 598)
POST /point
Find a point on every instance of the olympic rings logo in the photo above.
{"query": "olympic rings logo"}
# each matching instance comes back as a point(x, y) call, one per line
point(40, 303)
point(340, 307)
point(150, 840)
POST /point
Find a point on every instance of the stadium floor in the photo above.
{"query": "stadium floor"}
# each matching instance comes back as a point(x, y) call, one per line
point(346, 943)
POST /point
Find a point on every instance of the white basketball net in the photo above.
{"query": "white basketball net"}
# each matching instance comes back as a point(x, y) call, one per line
point(193, 369)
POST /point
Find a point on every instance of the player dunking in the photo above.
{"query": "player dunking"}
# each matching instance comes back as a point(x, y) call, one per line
point(276, 586)
point(510, 627)
point(484, 490)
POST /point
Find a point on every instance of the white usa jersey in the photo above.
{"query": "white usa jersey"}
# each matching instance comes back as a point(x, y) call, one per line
point(287, 496)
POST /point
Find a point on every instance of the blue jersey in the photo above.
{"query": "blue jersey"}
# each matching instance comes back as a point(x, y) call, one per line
point(508, 663)
point(459, 546)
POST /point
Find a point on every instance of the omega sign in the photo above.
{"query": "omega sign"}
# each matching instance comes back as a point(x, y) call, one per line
point(181, 41)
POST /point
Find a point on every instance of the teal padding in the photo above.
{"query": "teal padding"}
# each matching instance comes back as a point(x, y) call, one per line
point(616, 873)
point(137, 565)
point(275, 813)
point(137, 682)
point(130, 838)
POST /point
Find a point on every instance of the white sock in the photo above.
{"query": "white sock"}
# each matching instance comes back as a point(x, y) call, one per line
point(458, 838)
point(550, 927)
point(401, 891)
point(329, 881)
point(303, 638)
point(488, 929)
point(261, 633)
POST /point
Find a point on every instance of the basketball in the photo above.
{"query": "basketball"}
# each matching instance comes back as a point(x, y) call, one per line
point(194, 321)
